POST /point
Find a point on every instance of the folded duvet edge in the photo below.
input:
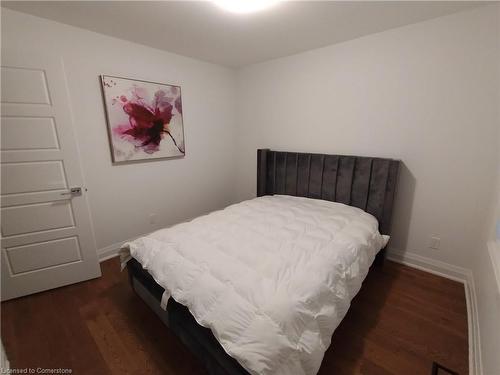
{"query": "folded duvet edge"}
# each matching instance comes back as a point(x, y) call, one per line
point(386, 239)
point(124, 254)
point(125, 257)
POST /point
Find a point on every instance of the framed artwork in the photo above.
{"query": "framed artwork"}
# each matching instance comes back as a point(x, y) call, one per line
point(144, 119)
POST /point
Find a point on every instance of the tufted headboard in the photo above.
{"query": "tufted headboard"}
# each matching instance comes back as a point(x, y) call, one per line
point(364, 182)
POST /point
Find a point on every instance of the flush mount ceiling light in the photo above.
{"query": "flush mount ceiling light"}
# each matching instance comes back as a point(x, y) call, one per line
point(245, 6)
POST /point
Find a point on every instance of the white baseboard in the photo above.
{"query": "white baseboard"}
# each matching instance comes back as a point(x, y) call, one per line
point(455, 273)
point(435, 267)
point(475, 359)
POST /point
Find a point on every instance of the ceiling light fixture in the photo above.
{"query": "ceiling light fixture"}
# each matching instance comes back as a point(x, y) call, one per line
point(244, 6)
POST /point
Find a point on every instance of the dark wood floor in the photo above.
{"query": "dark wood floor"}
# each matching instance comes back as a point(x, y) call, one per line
point(401, 321)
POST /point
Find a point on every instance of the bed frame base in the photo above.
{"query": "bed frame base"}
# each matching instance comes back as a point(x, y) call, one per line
point(199, 340)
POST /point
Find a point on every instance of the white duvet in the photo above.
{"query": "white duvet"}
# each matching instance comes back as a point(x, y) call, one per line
point(272, 277)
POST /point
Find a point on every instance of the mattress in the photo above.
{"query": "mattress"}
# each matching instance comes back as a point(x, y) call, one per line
point(271, 277)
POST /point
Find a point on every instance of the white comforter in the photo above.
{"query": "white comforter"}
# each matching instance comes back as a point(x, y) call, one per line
point(272, 277)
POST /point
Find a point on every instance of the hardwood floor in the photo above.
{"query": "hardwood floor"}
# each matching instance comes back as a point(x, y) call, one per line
point(401, 321)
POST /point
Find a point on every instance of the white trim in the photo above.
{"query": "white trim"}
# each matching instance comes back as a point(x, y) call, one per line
point(494, 250)
point(475, 358)
point(433, 266)
point(462, 275)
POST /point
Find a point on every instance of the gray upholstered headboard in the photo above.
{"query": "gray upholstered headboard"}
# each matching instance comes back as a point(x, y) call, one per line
point(364, 182)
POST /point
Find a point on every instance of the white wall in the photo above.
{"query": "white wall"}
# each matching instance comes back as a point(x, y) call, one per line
point(488, 300)
point(427, 94)
point(122, 197)
point(423, 93)
point(487, 289)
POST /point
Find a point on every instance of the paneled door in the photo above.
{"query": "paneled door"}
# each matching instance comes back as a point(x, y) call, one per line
point(46, 236)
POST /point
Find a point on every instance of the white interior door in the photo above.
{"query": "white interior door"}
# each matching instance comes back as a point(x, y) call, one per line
point(46, 237)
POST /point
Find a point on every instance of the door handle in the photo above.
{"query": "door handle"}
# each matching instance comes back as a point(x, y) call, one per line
point(74, 191)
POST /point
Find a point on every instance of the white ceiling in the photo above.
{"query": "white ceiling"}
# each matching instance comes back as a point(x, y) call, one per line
point(202, 30)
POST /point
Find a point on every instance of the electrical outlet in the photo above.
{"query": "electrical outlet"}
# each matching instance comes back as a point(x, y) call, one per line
point(435, 242)
point(152, 218)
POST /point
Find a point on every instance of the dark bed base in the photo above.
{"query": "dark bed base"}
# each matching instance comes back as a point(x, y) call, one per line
point(367, 183)
point(179, 320)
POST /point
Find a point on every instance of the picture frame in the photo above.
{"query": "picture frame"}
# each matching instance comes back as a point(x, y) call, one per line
point(144, 119)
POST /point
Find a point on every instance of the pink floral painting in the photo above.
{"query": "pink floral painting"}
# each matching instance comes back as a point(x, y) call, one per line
point(144, 119)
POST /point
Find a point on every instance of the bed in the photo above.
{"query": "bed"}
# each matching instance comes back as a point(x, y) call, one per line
point(268, 280)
